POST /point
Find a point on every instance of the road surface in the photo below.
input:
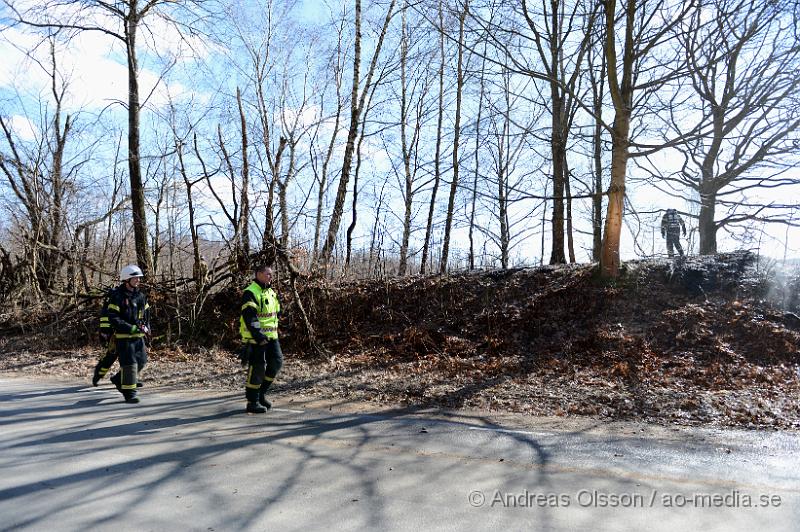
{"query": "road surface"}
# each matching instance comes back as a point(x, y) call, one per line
point(75, 457)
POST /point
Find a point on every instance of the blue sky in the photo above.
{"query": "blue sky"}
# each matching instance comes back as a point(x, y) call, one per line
point(98, 80)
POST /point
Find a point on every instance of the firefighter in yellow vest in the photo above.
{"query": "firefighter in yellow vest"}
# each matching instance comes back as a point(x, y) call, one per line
point(258, 326)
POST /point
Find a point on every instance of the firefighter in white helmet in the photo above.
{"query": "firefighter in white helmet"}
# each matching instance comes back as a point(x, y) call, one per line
point(129, 316)
point(108, 341)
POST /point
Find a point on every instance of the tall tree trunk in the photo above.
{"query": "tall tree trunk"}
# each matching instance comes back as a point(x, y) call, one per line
point(474, 192)
point(438, 153)
point(283, 193)
point(477, 161)
point(406, 152)
point(706, 225)
point(597, 198)
point(157, 245)
point(357, 105)
point(544, 231)
point(354, 220)
point(610, 259)
point(622, 96)
point(57, 218)
point(197, 268)
point(473, 207)
point(503, 215)
point(244, 213)
point(375, 240)
point(503, 162)
point(323, 179)
point(143, 255)
point(354, 215)
point(456, 139)
point(558, 153)
point(597, 146)
point(570, 238)
point(270, 252)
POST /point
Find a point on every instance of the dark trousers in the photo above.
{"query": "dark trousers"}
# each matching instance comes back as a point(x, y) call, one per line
point(132, 359)
point(107, 360)
point(674, 239)
point(265, 361)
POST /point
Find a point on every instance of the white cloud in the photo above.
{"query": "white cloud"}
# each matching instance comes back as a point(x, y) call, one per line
point(17, 70)
point(92, 62)
point(23, 128)
point(164, 36)
point(305, 117)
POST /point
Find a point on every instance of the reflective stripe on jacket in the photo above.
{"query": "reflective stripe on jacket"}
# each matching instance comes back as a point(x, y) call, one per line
point(672, 222)
point(105, 324)
point(127, 312)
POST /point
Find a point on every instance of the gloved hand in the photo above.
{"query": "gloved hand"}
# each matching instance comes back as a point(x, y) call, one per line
point(662, 234)
point(148, 336)
point(684, 231)
point(105, 338)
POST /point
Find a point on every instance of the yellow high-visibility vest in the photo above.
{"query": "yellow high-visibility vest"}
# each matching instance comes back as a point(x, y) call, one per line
point(267, 307)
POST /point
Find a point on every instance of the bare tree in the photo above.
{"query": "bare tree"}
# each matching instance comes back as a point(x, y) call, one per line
point(647, 28)
point(508, 120)
point(500, 130)
point(121, 20)
point(437, 172)
point(356, 174)
point(477, 170)
point(357, 101)
point(199, 270)
point(597, 81)
point(336, 68)
point(448, 224)
point(413, 96)
point(43, 180)
point(235, 254)
point(269, 56)
point(553, 30)
point(243, 224)
point(744, 79)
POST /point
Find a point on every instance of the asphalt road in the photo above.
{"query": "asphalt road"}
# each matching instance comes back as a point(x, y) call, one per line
point(74, 457)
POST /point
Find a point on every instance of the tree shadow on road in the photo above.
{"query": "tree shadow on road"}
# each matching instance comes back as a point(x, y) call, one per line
point(173, 443)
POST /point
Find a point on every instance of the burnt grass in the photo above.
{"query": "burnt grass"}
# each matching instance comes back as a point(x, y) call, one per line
point(691, 343)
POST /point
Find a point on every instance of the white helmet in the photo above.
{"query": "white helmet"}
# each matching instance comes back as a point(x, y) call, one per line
point(129, 271)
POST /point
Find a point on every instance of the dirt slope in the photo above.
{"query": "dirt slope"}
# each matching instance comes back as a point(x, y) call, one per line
point(691, 343)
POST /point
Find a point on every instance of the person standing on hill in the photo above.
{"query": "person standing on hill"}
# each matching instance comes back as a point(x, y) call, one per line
point(671, 225)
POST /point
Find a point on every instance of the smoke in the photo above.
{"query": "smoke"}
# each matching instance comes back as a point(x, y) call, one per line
point(782, 283)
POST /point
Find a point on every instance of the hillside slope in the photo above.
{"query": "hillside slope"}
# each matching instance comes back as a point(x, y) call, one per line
point(688, 343)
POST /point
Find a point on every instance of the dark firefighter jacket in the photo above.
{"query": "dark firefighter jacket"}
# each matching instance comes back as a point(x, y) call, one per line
point(127, 312)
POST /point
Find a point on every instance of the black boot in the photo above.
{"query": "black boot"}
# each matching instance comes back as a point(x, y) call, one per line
point(263, 401)
point(132, 399)
point(117, 382)
point(96, 376)
point(255, 408)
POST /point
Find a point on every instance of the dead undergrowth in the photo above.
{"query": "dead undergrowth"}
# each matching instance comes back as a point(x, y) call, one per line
point(692, 344)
